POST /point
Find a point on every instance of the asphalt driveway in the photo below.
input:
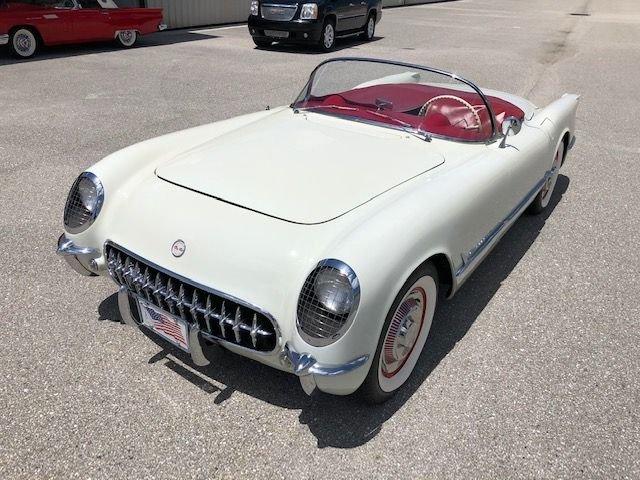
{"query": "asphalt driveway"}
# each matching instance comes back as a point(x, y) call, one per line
point(532, 369)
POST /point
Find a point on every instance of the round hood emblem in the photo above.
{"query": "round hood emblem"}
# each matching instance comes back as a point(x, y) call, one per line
point(178, 248)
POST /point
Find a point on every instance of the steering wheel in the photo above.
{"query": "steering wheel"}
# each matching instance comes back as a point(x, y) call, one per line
point(424, 111)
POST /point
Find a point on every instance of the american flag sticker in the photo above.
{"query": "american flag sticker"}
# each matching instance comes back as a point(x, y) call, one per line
point(165, 325)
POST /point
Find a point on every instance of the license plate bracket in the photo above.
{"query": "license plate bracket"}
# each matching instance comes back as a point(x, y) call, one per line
point(167, 326)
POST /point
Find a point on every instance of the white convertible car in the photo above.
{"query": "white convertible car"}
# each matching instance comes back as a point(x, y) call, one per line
point(317, 238)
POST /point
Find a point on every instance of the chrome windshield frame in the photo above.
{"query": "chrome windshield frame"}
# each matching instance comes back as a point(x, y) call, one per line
point(306, 91)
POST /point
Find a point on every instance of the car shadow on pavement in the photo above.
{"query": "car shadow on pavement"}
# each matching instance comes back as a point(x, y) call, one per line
point(347, 422)
point(341, 44)
point(152, 40)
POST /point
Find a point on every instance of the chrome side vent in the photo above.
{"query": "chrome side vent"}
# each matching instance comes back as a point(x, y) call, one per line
point(217, 316)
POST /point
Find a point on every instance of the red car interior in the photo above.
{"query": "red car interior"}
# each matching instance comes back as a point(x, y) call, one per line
point(403, 103)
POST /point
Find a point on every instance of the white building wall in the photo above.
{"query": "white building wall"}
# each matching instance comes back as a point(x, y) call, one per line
point(193, 13)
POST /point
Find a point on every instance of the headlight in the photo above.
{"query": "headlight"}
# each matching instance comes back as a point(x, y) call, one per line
point(309, 11)
point(83, 203)
point(254, 7)
point(328, 302)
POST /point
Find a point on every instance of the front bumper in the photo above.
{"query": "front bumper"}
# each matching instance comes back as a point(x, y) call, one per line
point(83, 260)
point(300, 31)
point(313, 374)
point(4, 39)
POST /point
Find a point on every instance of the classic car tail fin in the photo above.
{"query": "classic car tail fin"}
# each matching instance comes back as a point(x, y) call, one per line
point(559, 117)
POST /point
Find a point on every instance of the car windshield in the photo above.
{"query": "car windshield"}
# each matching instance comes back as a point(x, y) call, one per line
point(401, 96)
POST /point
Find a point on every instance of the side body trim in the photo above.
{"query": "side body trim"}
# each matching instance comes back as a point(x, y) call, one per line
point(473, 256)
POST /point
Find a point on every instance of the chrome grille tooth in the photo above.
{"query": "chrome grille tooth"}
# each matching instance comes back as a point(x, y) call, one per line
point(117, 269)
point(236, 324)
point(120, 269)
point(207, 313)
point(254, 330)
point(111, 262)
point(137, 277)
point(222, 319)
point(157, 288)
point(169, 296)
point(181, 301)
point(126, 272)
point(194, 306)
point(147, 284)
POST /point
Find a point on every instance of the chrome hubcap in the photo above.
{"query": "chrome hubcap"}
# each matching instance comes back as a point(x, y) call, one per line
point(370, 28)
point(328, 36)
point(403, 332)
point(126, 37)
point(550, 183)
point(23, 43)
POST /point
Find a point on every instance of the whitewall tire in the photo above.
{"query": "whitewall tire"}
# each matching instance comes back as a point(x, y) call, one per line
point(403, 336)
point(127, 38)
point(24, 43)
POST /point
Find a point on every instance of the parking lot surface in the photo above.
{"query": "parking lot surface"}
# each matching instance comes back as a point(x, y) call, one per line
point(532, 370)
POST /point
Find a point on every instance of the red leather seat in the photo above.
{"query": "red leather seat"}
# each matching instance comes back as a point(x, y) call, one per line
point(446, 117)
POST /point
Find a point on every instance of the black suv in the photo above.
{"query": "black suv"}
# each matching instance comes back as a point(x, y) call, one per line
point(316, 22)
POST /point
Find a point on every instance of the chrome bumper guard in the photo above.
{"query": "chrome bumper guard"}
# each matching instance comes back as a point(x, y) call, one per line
point(83, 260)
point(306, 367)
point(4, 39)
point(195, 345)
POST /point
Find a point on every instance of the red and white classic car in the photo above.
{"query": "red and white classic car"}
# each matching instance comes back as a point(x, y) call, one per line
point(25, 25)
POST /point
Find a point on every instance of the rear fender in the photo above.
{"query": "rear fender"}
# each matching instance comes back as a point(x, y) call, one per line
point(558, 118)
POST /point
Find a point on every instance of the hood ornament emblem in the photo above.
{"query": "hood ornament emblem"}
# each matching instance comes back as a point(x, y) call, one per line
point(178, 248)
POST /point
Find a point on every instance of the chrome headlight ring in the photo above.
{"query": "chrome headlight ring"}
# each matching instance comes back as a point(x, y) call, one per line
point(84, 203)
point(327, 303)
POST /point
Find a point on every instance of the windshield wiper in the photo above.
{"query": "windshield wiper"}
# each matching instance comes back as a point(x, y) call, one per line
point(406, 127)
point(316, 107)
point(416, 132)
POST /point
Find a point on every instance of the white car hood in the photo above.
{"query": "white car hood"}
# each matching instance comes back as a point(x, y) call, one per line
point(305, 168)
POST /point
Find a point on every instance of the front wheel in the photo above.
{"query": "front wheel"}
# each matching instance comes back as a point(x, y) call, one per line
point(403, 336)
point(127, 38)
point(369, 28)
point(544, 195)
point(24, 43)
point(328, 37)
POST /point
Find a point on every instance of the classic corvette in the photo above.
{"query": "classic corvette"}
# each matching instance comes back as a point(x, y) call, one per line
point(25, 25)
point(319, 237)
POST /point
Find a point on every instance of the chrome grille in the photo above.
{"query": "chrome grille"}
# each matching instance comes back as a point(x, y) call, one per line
point(218, 316)
point(278, 13)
